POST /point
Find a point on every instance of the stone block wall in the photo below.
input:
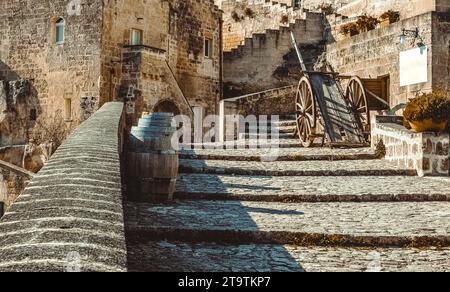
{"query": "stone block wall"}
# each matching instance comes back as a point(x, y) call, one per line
point(56, 71)
point(427, 153)
point(273, 102)
point(269, 60)
point(242, 19)
point(377, 53)
point(77, 198)
point(147, 81)
point(179, 28)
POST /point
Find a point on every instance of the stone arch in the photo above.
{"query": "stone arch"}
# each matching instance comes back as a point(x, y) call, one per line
point(167, 106)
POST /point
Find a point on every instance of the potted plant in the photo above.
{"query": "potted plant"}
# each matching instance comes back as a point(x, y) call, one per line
point(349, 29)
point(366, 23)
point(429, 111)
point(389, 17)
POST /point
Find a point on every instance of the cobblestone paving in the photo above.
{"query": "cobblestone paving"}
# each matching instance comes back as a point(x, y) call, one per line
point(282, 154)
point(394, 221)
point(294, 168)
point(313, 188)
point(182, 257)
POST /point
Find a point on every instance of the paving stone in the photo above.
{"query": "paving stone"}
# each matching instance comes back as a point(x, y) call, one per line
point(313, 188)
point(164, 256)
point(342, 224)
point(295, 168)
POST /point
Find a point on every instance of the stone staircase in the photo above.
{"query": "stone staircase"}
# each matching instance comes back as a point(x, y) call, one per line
point(268, 15)
point(315, 209)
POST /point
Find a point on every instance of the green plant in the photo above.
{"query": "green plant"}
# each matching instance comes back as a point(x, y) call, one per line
point(236, 16)
point(327, 9)
point(249, 12)
point(435, 106)
point(285, 19)
point(367, 23)
point(349, 29)
point(392, 16)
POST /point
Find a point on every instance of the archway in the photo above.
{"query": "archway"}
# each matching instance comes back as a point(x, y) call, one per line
point(167, 106)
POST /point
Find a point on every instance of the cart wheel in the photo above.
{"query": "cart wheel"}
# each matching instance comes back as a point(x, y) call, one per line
point(305, 112)
point(357, 97)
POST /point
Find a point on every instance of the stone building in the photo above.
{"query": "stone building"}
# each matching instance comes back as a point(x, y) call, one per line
point(71, 56)
point(258, 51)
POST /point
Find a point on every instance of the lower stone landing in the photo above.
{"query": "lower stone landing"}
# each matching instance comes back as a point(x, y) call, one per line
point(427, 153)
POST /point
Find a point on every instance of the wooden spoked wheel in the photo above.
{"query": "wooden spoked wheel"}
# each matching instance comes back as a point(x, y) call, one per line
point(305, 112)
point(357, 97)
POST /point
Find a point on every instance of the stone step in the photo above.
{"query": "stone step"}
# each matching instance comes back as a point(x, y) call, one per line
point(405, 224)
point(312, 189)
point(253, 144)
point(173, 256)
point(282, 154)
point(295, 168)
point(255, 135)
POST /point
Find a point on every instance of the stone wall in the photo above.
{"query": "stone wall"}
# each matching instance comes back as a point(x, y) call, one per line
point(407, 8)
point(242, 19)
point(57, 72)
point(179, 28)
point(77, 201)
point(377, 53)
point(272, 102)
point(269, 60)
point(427, 153)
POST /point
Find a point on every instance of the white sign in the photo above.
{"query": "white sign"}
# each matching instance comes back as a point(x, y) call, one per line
point(414, 66)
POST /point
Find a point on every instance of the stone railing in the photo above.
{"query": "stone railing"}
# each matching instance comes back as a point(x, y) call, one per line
point(427, 153)
point(70, 216)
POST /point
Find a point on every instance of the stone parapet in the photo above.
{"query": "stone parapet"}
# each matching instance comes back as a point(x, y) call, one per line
point(427, 153)
point(70, 216)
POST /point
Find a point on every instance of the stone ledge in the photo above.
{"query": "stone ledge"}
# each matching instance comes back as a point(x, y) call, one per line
point(427, 153)
point(49, 230)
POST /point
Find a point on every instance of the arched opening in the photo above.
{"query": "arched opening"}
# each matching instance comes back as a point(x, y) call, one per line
point(167, 106)
point(60, 26)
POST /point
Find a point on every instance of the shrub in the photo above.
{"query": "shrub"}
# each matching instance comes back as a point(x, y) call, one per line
point(327, 9)
point(285, 19)
point(349, 29)
point(367, 23)
point(236, 16)
point(435, 106)
point(393, 16)
point(249, 12)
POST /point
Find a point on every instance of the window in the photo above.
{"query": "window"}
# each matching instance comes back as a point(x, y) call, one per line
point(208, 48)
point(136, 37)
point(68, 107)
point(297, 3)
point(33, 115)
point(59, 31)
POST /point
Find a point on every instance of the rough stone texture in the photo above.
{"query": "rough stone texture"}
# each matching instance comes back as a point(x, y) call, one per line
point(427, 153)
point(312, 188)
point(244, 18)
point(295, 168)
point(70, 215)
point(377, 53)
point(267, 60)
point(165, 256)
point(180, 33)
point(342, 224)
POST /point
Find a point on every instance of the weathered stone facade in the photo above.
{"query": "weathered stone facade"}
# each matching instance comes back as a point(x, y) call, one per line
point(172, 62)
point(70, 79)
point(266, 59)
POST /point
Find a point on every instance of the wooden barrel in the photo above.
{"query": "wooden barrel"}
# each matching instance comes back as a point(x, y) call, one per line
point(152, 159)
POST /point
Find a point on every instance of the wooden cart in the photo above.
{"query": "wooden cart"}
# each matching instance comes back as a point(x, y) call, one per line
point(341, 117)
